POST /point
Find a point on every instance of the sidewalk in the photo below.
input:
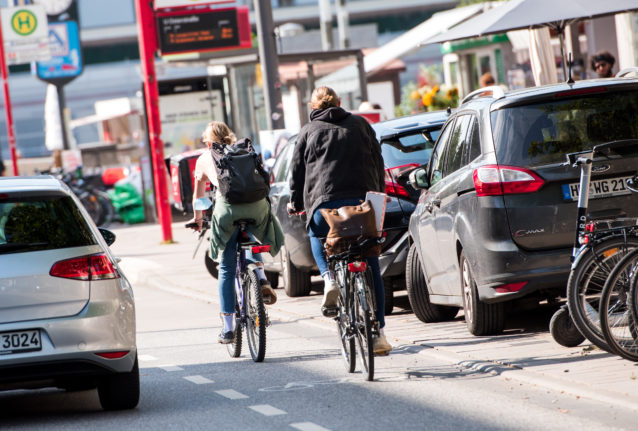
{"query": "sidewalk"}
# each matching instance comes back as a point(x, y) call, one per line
point(521, 353)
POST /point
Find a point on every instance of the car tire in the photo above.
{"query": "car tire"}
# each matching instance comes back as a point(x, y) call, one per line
point(296, 282)
point(419, 296)
point(211, 265)
point(120, 391)
point(273, 278)
point(480, 318)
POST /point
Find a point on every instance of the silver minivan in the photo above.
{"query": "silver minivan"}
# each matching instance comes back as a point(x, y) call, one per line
point(67, 315)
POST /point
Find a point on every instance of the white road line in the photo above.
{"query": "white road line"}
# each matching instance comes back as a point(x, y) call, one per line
point(308, 426)
point(231, 394)
point(198, 380)
point(147, 358)
point(170, 368)
point(267, 410)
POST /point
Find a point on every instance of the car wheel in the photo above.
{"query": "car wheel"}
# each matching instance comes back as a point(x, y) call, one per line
point(120, 391)
point(388, 289)
point(273, 278)
point(419, 296)
point(211, 265)
point(296, 282)
point(480, 318)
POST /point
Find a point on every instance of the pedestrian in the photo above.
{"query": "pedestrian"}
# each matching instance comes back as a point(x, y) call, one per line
point(487, 79)
point(336, 161)
point(602, 63)
point(224, 233)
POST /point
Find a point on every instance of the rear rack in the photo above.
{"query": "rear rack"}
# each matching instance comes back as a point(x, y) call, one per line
point(493, 91)
point(627, 71)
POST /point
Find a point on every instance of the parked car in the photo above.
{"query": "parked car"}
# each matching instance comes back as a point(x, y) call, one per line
point(495, 222)
point(67, 315)
point(406, 144)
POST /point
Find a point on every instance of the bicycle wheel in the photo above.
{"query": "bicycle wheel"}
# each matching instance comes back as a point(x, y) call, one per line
point(92, 205)
point(107, 210)
point(617, 321)
point(363, 326)
point(586, 282)
point(234, 348)
point(256, 319)
point(345, 333)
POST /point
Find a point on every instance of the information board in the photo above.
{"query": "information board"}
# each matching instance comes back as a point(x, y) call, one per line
point(66, 63)
point(25, 34)
point(207, 30)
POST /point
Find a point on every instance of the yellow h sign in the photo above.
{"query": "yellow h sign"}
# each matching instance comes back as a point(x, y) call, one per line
point(24, 22)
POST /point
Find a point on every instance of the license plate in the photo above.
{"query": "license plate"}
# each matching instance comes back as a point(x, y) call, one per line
point(20, 341)
point(598, 189)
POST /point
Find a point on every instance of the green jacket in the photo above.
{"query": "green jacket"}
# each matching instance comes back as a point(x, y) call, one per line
point(266, 229)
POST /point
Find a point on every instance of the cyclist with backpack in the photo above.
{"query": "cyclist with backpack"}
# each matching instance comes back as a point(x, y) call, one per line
point(336, 161)
point(241, 192)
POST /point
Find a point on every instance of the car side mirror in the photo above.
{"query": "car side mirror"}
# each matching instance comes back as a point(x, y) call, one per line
point(108, 236)
point(419, 179)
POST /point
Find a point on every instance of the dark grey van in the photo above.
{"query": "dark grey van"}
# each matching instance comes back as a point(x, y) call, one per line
point(496, 216)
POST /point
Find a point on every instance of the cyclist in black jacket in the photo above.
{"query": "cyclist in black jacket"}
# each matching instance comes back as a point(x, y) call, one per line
point(336, 161)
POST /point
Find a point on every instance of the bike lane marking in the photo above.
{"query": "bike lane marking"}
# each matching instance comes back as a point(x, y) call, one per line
point(146, 358)
point(231, 394)
point(267, 410)
point(198, 380)
point(171, 368)
point(308, 426)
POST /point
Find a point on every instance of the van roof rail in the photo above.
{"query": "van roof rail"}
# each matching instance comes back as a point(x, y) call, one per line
point(627, 71)
point(493, 91)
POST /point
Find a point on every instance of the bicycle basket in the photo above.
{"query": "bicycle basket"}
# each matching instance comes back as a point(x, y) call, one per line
point(349, 226)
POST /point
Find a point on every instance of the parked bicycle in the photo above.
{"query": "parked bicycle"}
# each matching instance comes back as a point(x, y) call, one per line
point(594, 257)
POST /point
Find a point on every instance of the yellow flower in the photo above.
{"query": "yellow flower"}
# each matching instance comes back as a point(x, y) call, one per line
point(415, 95)
point(427, 98)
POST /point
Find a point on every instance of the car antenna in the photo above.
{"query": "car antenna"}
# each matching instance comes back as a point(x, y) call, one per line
point(570, 80)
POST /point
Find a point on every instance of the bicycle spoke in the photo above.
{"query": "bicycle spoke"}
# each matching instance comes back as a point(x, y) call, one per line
point(256, 318)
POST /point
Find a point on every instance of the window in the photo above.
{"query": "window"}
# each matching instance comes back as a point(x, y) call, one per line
point(454, 152)
point(474, 142)
point(409, 149)
point(41, 223)
point(280, 170)
point(436, 162)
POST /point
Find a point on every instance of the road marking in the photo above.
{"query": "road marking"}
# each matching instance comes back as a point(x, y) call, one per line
point(198, 380)
point(267, 410)
point(231, 394)
point(171, 368)
point(147, 358)
point(308, 426)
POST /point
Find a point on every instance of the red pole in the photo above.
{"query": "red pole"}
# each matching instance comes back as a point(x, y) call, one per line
point(7, 107)
point(147, 40)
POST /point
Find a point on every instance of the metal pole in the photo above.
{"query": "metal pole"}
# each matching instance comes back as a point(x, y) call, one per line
point(7, 107)
point(325, 25)
point(343, 18)
point(363, 81)
point(147, 46)
point(269, 62)
point(61, 107)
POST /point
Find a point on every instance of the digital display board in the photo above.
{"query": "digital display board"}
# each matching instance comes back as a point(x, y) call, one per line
point(203, 30)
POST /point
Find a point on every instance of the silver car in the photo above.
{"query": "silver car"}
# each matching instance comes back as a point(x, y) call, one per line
point(67, 315)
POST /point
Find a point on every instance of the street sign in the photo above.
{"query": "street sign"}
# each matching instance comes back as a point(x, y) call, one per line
point(66, 63)
point(25, 34)
point(205, 30)
point(160, 4)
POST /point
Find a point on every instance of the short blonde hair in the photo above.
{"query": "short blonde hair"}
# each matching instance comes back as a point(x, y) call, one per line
point(218, 131)
point(324, 97)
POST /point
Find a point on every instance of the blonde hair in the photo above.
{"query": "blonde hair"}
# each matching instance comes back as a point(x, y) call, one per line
point(218, 131)
point(324, 97)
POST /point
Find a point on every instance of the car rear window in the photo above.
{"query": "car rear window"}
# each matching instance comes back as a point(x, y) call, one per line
point(41, 223)
point(543, 133)
point(414, 148)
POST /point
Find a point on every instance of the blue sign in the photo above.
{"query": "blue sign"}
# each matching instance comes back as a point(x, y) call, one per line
point(66, 55)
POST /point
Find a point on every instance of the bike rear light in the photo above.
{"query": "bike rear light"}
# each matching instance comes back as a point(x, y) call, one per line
point(113, 355)
point(392, 187)
point(494, 180)
point(584, 240)
point(589, 227)
point(610, 252)
point(509, 288)
point(86, 268)
point(260, 249)
point(357, 266)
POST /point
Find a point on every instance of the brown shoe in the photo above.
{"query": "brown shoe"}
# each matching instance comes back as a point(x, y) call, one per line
point(381, 346)
point(267, 292)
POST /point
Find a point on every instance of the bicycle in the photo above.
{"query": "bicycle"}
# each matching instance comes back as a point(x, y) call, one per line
point(596, 252)
point(355, 314)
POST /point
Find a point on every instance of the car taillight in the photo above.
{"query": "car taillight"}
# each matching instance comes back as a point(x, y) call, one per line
point(392, 187)
point(493, 180)
point(357, 266)
point(509, 288)
point(87, 268)
point(113, 355)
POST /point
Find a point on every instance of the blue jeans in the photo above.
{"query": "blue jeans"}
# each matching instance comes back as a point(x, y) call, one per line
point(227, 272)
point(319, 229)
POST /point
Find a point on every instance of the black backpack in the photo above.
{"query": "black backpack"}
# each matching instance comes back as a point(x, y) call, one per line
point(241, 176)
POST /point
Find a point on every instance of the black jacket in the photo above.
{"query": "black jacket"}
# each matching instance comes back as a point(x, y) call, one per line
point(336, 156)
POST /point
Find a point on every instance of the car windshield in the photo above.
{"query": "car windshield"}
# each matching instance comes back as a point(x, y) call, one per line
point(41, 223)
point(414, 148)
point(543, 133)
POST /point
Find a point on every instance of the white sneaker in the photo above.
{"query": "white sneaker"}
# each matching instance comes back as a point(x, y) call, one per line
point(330, 294)
point(381, 346)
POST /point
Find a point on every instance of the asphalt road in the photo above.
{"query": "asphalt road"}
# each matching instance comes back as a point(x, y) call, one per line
point(190, 382)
